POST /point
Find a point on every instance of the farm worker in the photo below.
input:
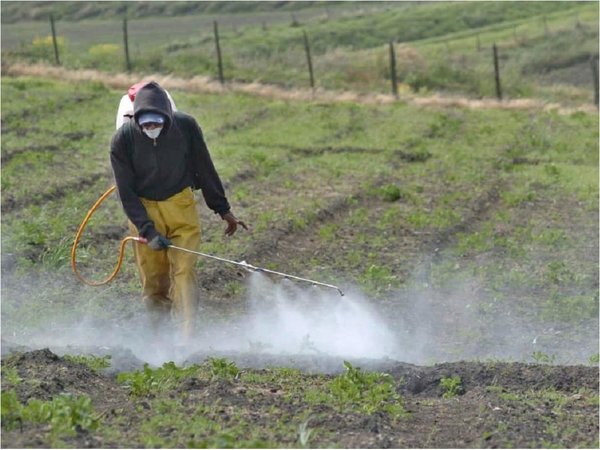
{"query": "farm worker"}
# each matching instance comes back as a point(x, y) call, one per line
point(125, 111)
point(157, 159)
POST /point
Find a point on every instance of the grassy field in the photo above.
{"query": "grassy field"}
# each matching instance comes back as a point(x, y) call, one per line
point(374, 188)
point(468, 234)
point(465, 238)
point(545, 47)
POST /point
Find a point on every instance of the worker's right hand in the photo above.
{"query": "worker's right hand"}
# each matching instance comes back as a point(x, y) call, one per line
point(159, 242)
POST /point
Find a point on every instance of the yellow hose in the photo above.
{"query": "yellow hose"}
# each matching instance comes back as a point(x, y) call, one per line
point(78, 237)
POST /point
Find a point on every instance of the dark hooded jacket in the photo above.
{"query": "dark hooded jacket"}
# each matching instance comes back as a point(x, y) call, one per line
point(156, 169)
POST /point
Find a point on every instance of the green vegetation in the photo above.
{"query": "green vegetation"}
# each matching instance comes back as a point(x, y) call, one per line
point(198, 420)
point(151, 381)
point(452, 386)
point(96, 363)
point(484, 172)
point(221, 368)
point(65, 414)
point(362, 391)
point(462, 215)
point(442, 46)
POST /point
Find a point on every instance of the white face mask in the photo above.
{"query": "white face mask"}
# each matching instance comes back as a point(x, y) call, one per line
point(152, 134)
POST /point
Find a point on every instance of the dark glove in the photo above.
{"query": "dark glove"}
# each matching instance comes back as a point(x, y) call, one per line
point(159, 242)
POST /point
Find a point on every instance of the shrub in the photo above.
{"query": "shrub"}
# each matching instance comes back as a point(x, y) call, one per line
point(43, 47)
point(103, 56)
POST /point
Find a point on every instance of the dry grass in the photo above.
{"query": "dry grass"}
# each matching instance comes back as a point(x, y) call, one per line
point(206, 84)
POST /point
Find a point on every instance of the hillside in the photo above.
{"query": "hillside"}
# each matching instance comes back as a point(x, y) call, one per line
point(547, 49)
point(13, 12)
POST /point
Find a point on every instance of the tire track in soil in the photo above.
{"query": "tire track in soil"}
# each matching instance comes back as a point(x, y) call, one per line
point(65, 103)
point(421, 243)
point(290, 237)
point(267, 246)
point(9, 204)
point(248, 120)
point(8, 155)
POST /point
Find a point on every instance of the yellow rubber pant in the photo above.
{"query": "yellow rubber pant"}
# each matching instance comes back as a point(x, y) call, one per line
point(169, 281)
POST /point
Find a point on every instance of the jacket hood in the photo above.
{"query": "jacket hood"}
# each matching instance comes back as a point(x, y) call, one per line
point(153, 98)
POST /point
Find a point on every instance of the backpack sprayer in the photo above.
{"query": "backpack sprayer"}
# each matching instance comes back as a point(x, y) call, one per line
point(243, 264)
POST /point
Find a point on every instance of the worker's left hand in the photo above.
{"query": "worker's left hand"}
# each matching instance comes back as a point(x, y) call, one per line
point(232, 224)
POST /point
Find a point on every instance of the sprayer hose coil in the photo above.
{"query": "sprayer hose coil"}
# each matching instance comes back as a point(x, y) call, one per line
point(87, 218)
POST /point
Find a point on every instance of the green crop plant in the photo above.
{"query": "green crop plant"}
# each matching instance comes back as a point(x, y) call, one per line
point(543, 358)
point(327, 232)
point(391, 193)
point(149, 381)
point(10, 375)
point(65, 413)
point(365, 392)
point(569, 308)
point(96, 363)
point(452, 386)
point(223, 369)
point(304, 434)
point(12, 409)
point(377, 278)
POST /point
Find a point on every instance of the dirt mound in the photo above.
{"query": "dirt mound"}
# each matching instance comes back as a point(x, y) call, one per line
point(425, 381)
point(54, 375)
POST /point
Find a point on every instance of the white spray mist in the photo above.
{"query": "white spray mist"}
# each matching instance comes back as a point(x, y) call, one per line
point(286, 318)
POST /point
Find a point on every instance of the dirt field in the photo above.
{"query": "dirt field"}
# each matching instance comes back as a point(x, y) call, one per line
point(499, 405)
point(466, 240)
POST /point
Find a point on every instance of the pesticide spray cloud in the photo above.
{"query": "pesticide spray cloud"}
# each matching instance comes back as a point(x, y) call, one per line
point(280, 318)
point(419, 325)
point(286, 318)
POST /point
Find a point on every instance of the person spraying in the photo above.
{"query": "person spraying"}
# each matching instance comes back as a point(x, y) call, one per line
point(157, 159)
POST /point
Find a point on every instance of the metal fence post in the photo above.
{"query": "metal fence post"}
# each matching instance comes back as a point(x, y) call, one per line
point(393, 70)
point(309, 60)
point(219, 58)
point(594, 64)
point(497, 73)
point(54, 41)
point(126, 43)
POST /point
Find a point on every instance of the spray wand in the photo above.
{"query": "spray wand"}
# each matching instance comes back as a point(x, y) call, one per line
point(252, 268)
point(142, 240)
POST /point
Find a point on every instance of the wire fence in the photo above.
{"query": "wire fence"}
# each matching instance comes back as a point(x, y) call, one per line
point(454, 68)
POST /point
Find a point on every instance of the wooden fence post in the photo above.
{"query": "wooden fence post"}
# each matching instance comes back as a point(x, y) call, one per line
point(54, 41)
point(295, 22)
point(393, 70)
point(546, 31)
point(219, 58)
point(497, 73)
point(594, 64)
point(309, 60)
point(126, 43)
point(478, 43)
